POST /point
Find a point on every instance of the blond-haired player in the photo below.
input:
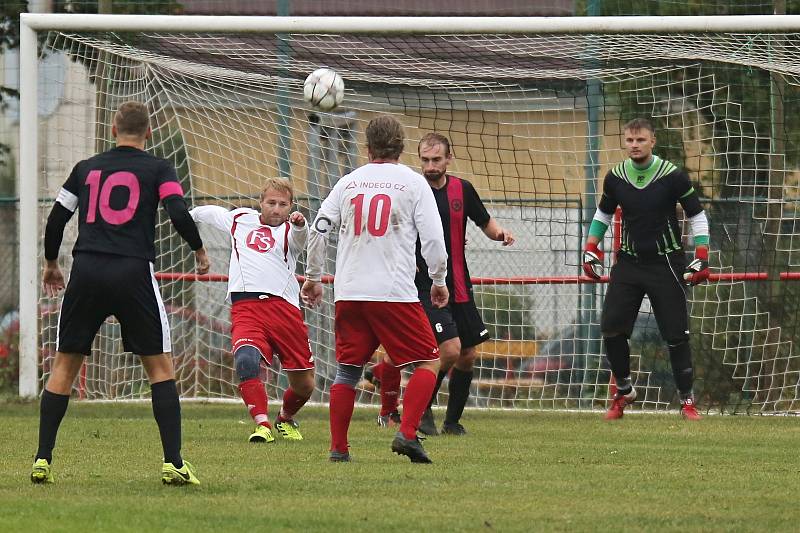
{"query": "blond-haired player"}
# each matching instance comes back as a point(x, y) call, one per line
point(265, 306)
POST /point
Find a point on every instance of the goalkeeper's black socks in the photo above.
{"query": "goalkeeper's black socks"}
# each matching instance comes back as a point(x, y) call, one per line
point(680, 356)
point(459, 392)
point(167, 411)
point(618, 353)
point(439, 378)
point(51, 411)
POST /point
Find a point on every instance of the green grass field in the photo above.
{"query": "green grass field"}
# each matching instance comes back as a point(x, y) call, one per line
point(524, 471)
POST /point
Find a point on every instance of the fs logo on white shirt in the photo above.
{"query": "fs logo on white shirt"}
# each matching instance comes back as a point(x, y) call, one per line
point(261, 240)
point(263, 258)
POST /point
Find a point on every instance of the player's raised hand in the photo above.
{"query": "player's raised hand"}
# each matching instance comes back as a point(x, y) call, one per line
point(311, 293)
point(52, 279)
point(203, 264)
point(439, 296)
point(297, 219)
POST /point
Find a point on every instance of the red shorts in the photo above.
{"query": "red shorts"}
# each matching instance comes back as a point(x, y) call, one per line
point(401, 327)
point(272, 325)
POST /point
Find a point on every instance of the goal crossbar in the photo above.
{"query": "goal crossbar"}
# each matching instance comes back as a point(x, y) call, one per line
point(410, 25)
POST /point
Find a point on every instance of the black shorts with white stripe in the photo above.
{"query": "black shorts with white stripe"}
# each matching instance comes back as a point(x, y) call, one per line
point(101, 285)
point(461, 320)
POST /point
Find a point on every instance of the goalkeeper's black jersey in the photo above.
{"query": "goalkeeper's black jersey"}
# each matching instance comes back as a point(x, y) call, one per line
point(648, 198)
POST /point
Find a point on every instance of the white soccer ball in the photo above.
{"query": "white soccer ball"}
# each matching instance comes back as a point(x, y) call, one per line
point(324, 89)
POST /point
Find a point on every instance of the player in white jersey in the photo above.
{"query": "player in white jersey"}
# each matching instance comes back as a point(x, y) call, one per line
point(265, 305)
point(379, 210)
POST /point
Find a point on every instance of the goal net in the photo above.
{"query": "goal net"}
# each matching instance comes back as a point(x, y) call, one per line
point(535, 123)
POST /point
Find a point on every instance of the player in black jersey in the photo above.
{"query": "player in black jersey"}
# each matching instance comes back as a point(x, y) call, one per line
point(651, 260)
point(458, 327)
point(116, 194)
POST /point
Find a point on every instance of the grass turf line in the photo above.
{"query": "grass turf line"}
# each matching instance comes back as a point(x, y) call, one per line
point(524, 471)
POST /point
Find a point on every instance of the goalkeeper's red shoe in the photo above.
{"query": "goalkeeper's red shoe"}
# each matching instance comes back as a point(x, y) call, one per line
point(617, 409)
point(689, 410)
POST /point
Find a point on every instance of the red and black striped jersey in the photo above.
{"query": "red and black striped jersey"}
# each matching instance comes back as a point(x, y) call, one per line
point(457, 201)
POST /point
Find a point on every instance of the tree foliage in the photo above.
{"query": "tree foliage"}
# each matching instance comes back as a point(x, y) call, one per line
point(9, 31)
point(9, 38)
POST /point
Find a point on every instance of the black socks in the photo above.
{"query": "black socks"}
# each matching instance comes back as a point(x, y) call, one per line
point(167, 411)
point(51, 411)
point(459, 392)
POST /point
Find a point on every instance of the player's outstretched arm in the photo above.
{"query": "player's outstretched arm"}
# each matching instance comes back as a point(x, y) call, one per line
point(182, 221)
point(213, 215)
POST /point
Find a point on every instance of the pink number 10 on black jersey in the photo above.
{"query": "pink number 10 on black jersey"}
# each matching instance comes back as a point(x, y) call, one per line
point(117, 195)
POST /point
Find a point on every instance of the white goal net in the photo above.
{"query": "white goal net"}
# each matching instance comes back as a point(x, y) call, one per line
point(535, 122)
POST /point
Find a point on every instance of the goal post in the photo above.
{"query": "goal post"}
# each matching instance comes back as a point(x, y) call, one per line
point(28, 217)
point(533, 107)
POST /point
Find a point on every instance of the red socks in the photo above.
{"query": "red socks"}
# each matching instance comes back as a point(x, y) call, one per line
point(389, 376)
point(255, 398)
point(291, 404)
point(418, 394)
point(342, 400)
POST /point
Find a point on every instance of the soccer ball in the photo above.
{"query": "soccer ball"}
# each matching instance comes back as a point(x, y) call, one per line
point(324, 89)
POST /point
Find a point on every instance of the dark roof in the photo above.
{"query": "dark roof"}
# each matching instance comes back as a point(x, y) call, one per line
point(495, 8)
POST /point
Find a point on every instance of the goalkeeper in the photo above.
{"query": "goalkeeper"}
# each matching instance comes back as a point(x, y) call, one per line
point(651, 260)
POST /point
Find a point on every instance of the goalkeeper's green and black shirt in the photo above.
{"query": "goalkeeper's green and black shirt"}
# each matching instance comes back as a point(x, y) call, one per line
point(648, 198)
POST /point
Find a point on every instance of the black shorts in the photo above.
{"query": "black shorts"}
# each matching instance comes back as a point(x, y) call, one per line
point(662, 281)
point(455, 320)
point(101, 285)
